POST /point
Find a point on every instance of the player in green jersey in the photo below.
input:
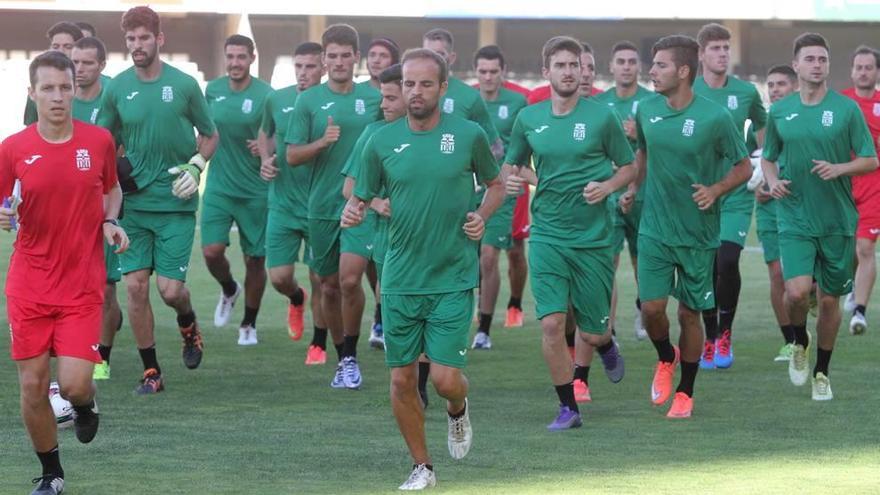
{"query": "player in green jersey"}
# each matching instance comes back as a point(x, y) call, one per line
point(816, 140)
point(324, 127)
point(504, 105)
point(574, 143)
point(234, 191)
point(287, 228)
point(62, 35)
point(89, 56)
point(690, 155)
point(781, 81)
point(744, 103)
point(431, 266)
point(154, 107)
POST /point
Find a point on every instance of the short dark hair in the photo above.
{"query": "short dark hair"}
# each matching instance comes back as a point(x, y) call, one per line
point(65, 27)
point(685, 51)
point(56, 60)
point(440, 34)
point(426, 54)
point(866, 50)
point(308, 48)
point(785, 70)
point(85, 26)
point(240, 40)
point(490, 52)
point(340, 34)
point(560, 43)
point(712, 32)
point(392, 74)
point(623, 45)
point(810, 39)
point(91, 42)
point(141, 16)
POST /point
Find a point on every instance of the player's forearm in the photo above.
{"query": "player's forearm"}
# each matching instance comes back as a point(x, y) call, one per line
point(298, 154)
point(265, 144)
point(740, 173)
point(113, 202)
point(493, 198)
point(208, 145)
point(860, 166)
point(638, 166)
point(771, 171)
point(348, 187)
point(623, 177)
point(759, 137)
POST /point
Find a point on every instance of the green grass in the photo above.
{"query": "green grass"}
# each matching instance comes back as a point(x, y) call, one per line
point(255, 420)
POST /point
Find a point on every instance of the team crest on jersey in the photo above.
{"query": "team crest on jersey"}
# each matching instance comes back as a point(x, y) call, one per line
point(94, 117)
point(827, 118)
point(167, 94)
point(503, 112)
point(359, 107)
point(580, 132)
point(247, 106)
point(687, 130)
point(447, 144)
point(448, 105)
point(732, 102)
point(83, 160)
point(876, 109)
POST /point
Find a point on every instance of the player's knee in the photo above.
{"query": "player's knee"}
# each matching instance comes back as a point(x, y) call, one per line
point(350, 283)
point(137, 289)
point(797, 295)
point(76, 393)
point(255, 264)
point(280, 281)
point(214, 253)
point(403, 384)
point(172, 293)
point(865, 251)
point(652, 310)
point(688, 317)
point(828, 303)
point(330, 291)
point(553, 326)
point(33, 387)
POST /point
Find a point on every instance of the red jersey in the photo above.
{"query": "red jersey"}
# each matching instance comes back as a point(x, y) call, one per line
point(58, 256)
point(542, 93)
point(870, 108)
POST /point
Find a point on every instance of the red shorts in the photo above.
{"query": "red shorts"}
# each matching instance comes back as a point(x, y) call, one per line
point(521, 217)
point(866, 194)
point(69, 331)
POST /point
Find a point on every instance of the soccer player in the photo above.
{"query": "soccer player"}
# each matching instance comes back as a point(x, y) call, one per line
point(687, 145)
point(816, 140)
point(70, 200)
point(382, 53)
point(88, 30)
point(781, 82)
point(62, 35)
point(324, 127)
point(743, 102)
point(504, 105)
point(154, 107)
point(431, 265)
point(287, 226)
point(865, 188)
point(234, 192)
point(588, 76)
point(89, 57)
point(573, 142)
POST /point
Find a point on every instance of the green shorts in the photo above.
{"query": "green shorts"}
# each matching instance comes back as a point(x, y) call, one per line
point(159, 241)
point(324, 246)
point(249, 215)
point(111, 263)
point(735, 227)
point(285, 235)
point(828, 259)
point(770, 243)
point(683, 272)
point(626, 227)
point(359, 240)
point(436, 324)
point(581, 276)
point(499, 228)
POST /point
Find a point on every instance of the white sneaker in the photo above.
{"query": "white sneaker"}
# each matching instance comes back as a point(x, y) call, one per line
point(460, 433)
point(849, 304)
point(224, 307)
point(247, 335)
point(338, 378)
point(420, 478)
point(822, 387)
point(858, 324)
point(799, 365)
point(482, 341)
point(641, 333)
point(351, 373)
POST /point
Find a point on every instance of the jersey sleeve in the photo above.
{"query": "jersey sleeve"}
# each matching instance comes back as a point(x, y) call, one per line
point(518, 149)
point(109, 173)
point(860, 141)
point(484, 165)
point(617, 147)
point(772, 143)
point(729, 143)
point(370, 179)
point(299, 128)
point(7, 171)
point(481, 117)
point(268, 123)
point(199, 113)
point(108, 115)
point(757, 113)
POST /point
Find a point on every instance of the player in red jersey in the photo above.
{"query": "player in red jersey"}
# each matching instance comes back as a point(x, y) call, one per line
point(69, 200)
point(866, 188)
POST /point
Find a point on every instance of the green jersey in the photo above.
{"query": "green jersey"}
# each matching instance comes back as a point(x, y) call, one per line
point(351, 112)
point(743, 101)
point(694, 145)
point(624, 108)
point(429, 178)
point(289, 190)
point(503, 111)
point(87, 110)
point(568, 152)
point(155, 120)
point(465, 102)
point(353, 166)
point(833, 130)
point(235, 172)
